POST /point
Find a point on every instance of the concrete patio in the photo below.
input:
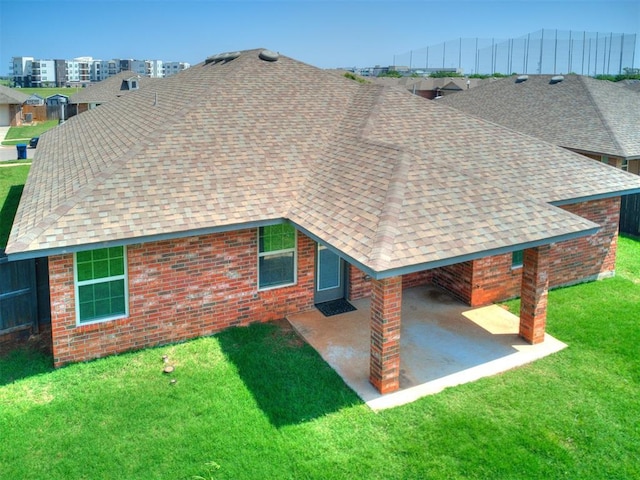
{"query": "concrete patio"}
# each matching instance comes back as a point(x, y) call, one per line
point(443, 343)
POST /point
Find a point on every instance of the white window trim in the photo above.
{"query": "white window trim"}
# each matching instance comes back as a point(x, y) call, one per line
point(77, 284)
point(277, 252)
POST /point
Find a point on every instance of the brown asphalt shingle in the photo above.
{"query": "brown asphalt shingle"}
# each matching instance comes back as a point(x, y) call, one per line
point(110, 88)
point(388, 178)
point(579, 113)
point(11, 96)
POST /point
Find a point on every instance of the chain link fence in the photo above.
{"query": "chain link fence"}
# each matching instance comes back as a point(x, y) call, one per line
point(541, 52)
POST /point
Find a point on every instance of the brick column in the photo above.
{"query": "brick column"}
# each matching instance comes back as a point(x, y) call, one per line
point(386, 306)
point(535, 286)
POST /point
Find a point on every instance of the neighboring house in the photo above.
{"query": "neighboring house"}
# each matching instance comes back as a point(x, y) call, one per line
point(432, 87)
point(108, 90)
point(34, 100)
point(593, 117)
point(11, 101)
point(252, 186)
point(56, 100)
point(596, 118)
point(633, 85)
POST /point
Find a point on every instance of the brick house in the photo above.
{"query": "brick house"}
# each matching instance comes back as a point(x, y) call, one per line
point(253, 186)
point(432, 87)
point(595, 118)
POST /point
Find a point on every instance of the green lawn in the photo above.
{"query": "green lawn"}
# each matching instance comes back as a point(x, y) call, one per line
point(12, 181)
point(47, 92)
point(22, 134)
point(260, 403)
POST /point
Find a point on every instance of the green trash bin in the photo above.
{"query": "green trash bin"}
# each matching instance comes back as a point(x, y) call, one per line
point(22, 151)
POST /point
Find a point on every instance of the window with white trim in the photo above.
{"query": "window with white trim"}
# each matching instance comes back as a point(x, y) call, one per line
point(101, 285)
point(277, 256)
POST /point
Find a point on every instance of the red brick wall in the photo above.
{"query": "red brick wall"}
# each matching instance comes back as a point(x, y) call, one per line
point(359, 284)
point(494, 280)
point(570, 262)
point(456, 279)
point(386, 308)
point(417, 279)
point(588, 257)
point(178, 289)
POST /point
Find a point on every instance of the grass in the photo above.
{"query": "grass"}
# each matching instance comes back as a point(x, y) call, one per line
point(22, 134)
point(257, 402)
point(12, 180)
point(45, 92)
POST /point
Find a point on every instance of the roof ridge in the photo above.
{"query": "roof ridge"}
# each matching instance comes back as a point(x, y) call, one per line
point(386, 231)
point(603, 119)
point(384, 240)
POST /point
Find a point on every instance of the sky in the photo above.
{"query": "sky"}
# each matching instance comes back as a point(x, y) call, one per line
point(326, 34)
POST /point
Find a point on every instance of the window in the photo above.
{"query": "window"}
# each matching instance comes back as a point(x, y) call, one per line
point(517, 259)
point(276, 256)
point(101, 285)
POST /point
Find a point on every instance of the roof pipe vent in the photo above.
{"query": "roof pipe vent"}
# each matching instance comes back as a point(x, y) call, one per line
point(522, 78)
point(269, 56)
point(556, 79)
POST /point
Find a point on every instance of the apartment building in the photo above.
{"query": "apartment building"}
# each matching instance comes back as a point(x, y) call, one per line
point(81, 71)
point(171, 68)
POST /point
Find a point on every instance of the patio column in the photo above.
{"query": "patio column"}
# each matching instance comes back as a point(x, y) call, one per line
point(533, 294)
point(386, 305)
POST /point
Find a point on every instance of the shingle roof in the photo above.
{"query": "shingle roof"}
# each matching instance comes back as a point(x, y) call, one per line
point(387, 178)
point(11, 96)
point(579, 113)
point(431, 83)
point(110, 88)
point(633, 84)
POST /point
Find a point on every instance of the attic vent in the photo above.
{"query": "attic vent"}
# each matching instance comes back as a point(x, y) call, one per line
point(556, 79)
point(522, 78)
point(269, 56)
point(222, 57)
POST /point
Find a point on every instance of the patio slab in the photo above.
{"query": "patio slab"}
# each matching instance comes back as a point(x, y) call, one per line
point(443, 343)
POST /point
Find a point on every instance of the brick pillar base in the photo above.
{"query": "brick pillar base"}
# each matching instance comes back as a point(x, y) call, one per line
point(386, 306)
point(535, 286)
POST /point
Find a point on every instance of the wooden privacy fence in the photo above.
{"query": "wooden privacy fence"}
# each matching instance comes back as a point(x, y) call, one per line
point(630, 214)
point(24, 296)
point(18, 295)
point(34, 113)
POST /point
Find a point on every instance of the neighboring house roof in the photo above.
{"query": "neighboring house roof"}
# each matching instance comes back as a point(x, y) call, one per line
point(388, 179)
point(432, 83)
point(580, 113)
point(633, 85)
point(11, 96)
point(34, 99)
point(110, 88)
point(57, 99)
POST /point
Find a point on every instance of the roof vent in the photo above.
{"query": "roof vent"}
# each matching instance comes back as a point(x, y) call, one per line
point(222, 57)
point(556, 79)
point(522, 78)
point(269, 56)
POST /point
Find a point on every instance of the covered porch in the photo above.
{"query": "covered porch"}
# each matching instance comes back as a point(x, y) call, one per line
point(441, 341)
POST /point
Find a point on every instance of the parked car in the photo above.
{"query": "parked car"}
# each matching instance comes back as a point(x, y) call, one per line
point(33, 143)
